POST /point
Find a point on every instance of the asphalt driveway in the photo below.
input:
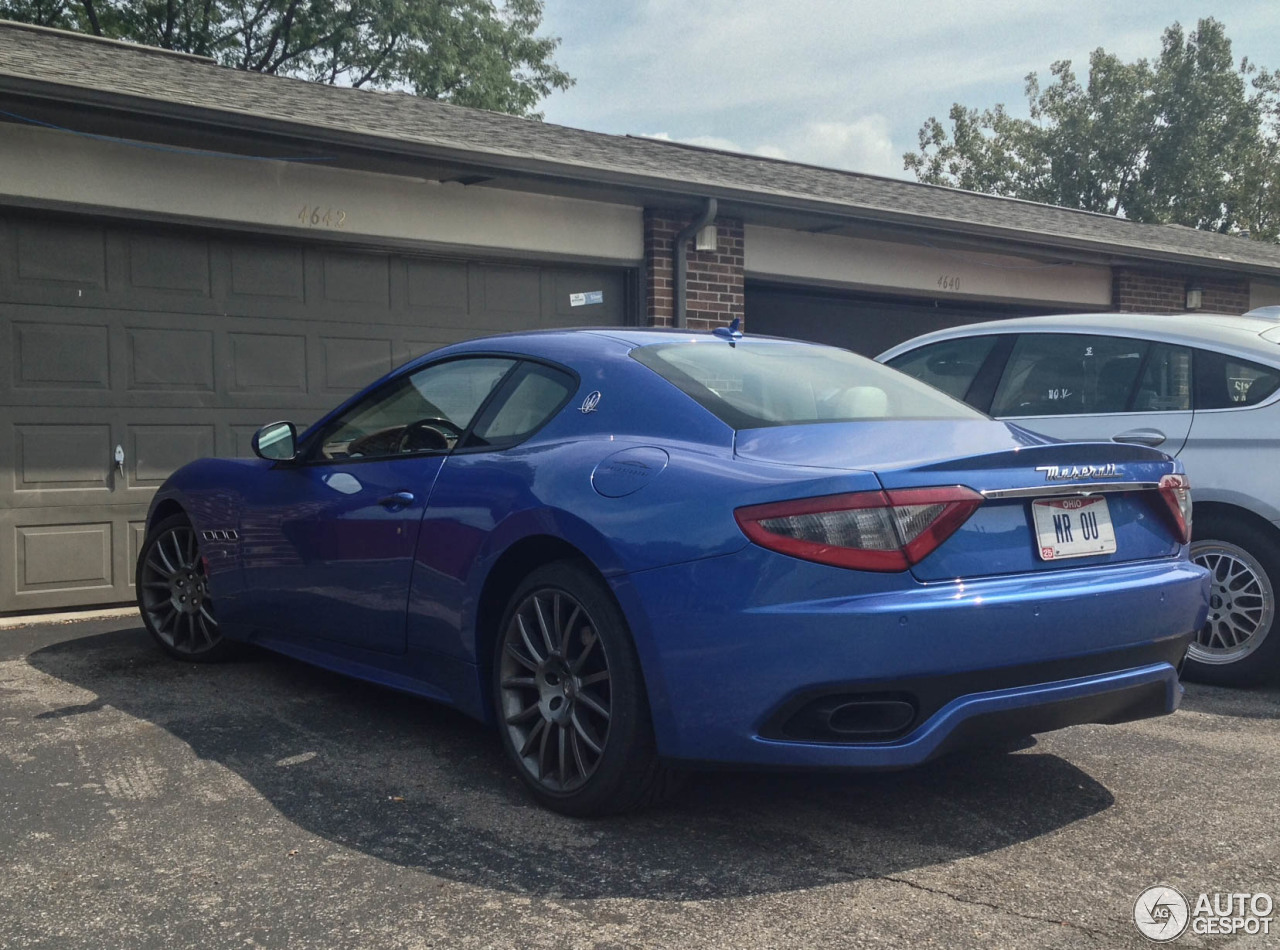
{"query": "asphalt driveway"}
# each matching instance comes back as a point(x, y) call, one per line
point(263, 803)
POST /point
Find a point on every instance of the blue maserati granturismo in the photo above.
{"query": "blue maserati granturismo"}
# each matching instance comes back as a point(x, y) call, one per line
point(639, 551)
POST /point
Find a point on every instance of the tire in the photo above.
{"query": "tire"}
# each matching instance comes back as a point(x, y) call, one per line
point(173, 594)
point(570, 699)
point(1238, 645)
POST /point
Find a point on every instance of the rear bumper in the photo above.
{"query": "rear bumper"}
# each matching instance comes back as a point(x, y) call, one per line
point(985, 718)
point(974, 661)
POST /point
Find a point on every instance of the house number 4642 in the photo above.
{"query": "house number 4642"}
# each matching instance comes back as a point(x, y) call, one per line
point(317, 217)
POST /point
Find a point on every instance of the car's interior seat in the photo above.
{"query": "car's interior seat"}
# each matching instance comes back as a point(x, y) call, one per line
point(1115, 383)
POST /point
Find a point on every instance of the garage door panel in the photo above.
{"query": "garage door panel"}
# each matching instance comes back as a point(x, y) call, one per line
point(351, 363)
point(583, 299)
point(157, 450)
point(169, 359)
point(169, 263)
point(264, 363)
point(505, 298)
point(439, 287)
point(67, 556)
point(61, 356)
point(357, 278)
point(64, 557)
point(50, 457)
point(261, 270)
point(61, 253)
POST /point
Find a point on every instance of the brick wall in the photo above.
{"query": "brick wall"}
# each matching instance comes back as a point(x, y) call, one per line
point(715, 294)
point(1139, 291)
point(1225, 296)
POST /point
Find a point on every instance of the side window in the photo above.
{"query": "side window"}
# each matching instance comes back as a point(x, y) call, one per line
point(1166, 381)
point(535, 394)
point(426, 411)
point(1226, 382)
point(1055, 374)
point(950, 365)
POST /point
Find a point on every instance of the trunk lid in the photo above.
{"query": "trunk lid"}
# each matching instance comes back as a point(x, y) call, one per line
point(1011, 467)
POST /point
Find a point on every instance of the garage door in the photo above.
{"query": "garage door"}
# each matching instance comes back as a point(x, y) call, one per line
point(863, 323)
point(176, 344)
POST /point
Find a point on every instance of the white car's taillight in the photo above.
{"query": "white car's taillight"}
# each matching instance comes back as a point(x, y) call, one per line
point(867, 531)
point(1176, 491)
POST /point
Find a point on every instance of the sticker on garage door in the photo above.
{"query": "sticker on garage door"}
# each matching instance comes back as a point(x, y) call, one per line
point(590, 297)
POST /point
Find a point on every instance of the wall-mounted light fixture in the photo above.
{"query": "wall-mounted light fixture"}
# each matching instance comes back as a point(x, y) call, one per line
point(706, 239)
point(1195, 297)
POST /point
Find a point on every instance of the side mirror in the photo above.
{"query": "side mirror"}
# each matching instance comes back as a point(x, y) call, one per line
point(276, 442)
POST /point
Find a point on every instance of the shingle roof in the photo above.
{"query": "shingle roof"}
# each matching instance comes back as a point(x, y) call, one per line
point(80, 67)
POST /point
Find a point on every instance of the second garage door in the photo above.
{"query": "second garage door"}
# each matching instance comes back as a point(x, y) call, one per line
point(865, 323)
point(162, 346)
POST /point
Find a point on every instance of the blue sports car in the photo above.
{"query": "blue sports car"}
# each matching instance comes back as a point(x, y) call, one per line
point(635, 550)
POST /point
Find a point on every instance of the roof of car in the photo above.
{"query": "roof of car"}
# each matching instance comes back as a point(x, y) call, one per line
point(1232, 331)
point(580, 343)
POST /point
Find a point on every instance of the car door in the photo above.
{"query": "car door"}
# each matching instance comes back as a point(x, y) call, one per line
point(1235, 437)
point(328, 540)
point(1093, 387)
point(490, 477)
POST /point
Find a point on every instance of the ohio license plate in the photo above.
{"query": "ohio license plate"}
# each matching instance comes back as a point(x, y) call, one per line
point(1073, 527)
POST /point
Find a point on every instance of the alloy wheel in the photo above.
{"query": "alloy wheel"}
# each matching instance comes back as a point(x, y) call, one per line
point(174, 589)
point(1241, 604)
point(556, 696)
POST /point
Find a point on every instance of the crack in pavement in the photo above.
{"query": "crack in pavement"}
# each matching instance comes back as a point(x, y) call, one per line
point(1088, 931)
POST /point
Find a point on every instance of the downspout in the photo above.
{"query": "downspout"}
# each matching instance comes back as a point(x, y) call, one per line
point(681, 254)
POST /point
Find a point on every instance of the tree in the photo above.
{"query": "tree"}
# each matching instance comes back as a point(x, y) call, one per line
point(482, 53)
point(1187, 139)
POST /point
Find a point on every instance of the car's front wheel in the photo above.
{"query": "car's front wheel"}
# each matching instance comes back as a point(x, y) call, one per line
point(1238, 645)
point(173, 593)
point(570, 697)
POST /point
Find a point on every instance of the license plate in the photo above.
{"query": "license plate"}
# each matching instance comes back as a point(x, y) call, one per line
point(1073, 527)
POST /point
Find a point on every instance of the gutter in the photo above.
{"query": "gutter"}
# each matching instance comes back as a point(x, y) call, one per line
point(680, 253)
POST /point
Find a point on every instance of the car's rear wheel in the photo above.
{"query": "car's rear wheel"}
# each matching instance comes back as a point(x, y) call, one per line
point(173, 593)
point(1237, 645)
point(570, 697)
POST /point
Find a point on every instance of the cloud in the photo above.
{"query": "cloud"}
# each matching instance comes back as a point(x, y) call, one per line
point(837, 83)
point(720, 144)
point(863, 145)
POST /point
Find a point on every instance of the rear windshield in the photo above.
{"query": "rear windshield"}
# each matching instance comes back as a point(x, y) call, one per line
point(756, 384)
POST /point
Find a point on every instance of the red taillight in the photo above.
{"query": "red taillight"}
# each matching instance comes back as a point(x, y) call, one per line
point(867, 531)
point(1176, 492)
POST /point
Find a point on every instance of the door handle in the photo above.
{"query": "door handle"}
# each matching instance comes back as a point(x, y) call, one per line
point(397, 500)
point(1151, 437)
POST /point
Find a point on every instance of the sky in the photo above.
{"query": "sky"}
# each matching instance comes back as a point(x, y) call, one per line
point(844, 83)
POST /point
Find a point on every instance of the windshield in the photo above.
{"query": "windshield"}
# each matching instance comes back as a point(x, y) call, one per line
point(757, 384)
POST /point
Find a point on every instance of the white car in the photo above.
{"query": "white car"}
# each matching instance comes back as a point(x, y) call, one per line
point(1202, 387)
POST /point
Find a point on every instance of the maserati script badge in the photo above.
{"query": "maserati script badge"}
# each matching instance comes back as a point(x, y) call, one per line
point(1054, 473)
point(589, 404)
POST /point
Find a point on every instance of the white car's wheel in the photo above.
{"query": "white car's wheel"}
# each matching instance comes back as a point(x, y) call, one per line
point(1236, 646)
